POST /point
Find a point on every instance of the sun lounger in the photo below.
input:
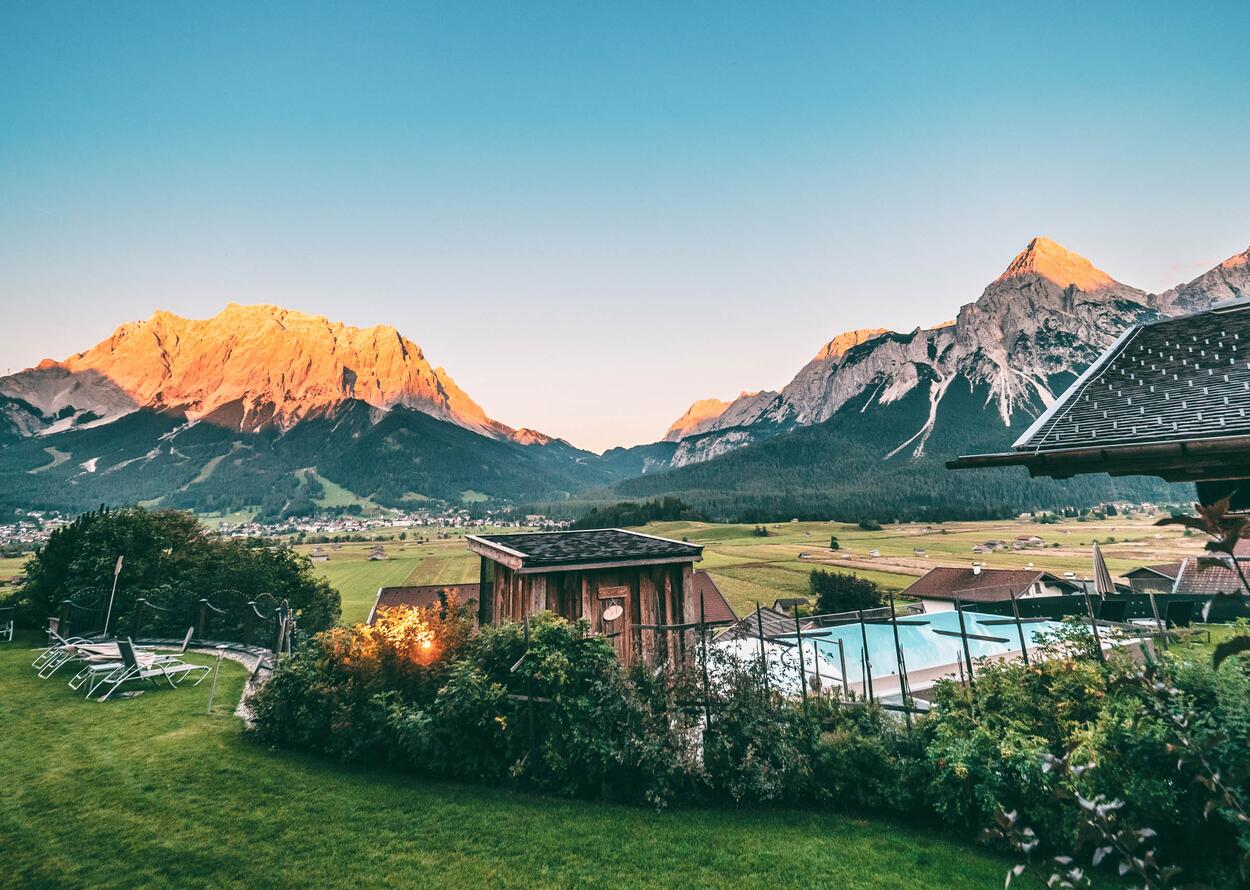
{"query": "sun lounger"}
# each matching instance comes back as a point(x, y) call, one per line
point(101, 658)
point(6, 624)
point(172, 671)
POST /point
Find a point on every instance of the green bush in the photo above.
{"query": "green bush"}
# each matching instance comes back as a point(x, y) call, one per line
point(836, 591)
point(173, 561)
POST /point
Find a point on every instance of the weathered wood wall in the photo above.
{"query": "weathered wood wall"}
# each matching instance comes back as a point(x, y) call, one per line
point(650, 595)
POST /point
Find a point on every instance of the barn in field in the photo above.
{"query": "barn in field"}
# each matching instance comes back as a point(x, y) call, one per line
point(638, 590)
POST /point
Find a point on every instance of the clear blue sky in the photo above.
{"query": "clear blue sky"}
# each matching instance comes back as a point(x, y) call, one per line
point(594, 213)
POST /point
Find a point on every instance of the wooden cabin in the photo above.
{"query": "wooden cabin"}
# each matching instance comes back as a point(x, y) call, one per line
point(587, 574)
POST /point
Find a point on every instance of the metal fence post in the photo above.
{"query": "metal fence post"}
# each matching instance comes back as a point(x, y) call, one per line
point(1015, 610)
point(902, 665)
point(863, 632)
point(759, 624)
point(798, 634)
point(529, 702)
point(963, 638)
point(846, 686)
point(707, 687)
point(1154, 607)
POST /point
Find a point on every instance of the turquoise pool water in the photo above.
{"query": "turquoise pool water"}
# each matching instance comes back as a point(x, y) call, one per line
point(922, 647)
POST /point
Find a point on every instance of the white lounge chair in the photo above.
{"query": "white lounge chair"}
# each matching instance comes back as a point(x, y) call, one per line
point(6, 624)
point(102, 658)
point(132, 668)
point(55, 645)
point(78, 649)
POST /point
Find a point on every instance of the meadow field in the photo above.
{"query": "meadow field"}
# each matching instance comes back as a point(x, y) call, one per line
point(750, 568)
point(11, 567)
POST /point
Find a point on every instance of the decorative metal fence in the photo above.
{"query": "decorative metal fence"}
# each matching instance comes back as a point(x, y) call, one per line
point(227, 615)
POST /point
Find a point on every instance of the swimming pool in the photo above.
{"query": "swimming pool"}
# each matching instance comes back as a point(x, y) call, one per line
point(924, 647)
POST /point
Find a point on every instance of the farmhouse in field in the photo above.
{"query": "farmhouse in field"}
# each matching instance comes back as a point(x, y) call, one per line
point(1153, 579)
point(637, 589)
point(938, 588)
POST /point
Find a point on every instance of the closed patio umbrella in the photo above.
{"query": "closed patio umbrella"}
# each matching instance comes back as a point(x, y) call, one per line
point(1103, 585)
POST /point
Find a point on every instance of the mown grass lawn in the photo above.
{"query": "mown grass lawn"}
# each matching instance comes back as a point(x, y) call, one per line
point(153, 792)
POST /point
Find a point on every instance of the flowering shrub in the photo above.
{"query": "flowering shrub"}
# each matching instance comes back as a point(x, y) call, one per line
point(333, 695)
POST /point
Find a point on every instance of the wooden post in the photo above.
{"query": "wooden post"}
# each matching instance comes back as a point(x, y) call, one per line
point(759, 624)
point(863, 632)
point(135, 623)
point(963, 637)
point(1015, 610)
point(202, 621)
point(798, 633)
point(249, 612)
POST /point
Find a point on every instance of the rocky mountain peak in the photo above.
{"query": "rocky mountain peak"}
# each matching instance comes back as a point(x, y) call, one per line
point(698, 417)
point(844, 342)
point(1058, 265)
point(278, 366)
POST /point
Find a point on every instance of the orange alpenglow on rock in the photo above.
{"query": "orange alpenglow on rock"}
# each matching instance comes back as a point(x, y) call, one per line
point(845, 342)
point(258, 365)
point(1058, 265)
point(697, 418)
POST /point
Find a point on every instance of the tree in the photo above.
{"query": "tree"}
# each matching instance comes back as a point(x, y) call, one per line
point(870, 525)
point(833, 543)
point(841, 592)
point(173, 561)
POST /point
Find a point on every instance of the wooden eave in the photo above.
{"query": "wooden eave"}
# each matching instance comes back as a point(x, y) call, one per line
point(1194, 460)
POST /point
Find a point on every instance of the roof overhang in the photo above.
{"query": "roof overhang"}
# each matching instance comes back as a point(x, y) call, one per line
point(1197, 460)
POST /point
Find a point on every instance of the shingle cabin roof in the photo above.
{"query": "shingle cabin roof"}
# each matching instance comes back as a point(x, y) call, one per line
point(773, 622)
point(986, 586)
point(581, 549)
point(424, 596)
point(716, 609)
point(1169, 398)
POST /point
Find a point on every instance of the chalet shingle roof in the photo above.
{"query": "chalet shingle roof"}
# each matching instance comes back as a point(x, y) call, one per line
point(987, 586)
point(1180, 378)
point(1169, 398)
point(608, 545)
point(424, 595)
point(1205, 579)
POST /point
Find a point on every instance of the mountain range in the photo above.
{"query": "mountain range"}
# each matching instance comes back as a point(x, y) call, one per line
point(267, 407)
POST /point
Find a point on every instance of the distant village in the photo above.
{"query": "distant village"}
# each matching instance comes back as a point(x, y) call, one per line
point(29, 529)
